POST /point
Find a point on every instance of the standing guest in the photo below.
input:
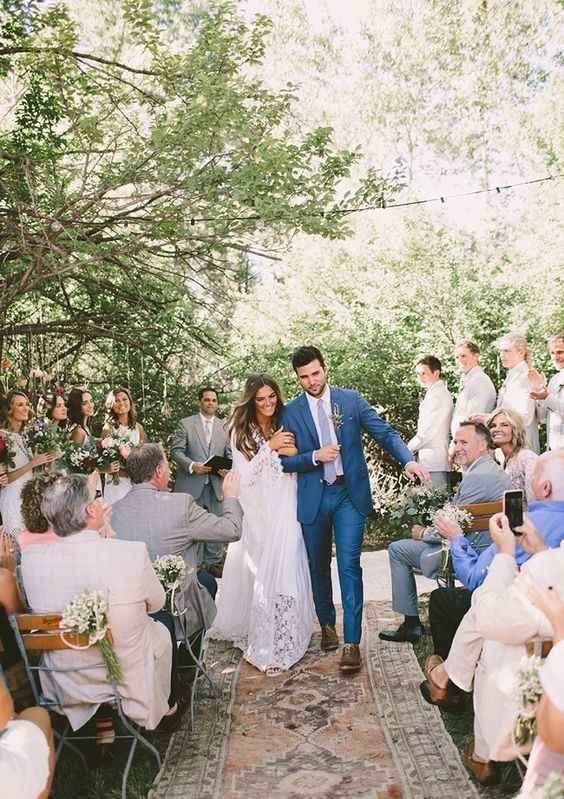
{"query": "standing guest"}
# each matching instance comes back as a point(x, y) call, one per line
point(121, 570)
point(430, 443)
point(80, 412)
point(515, 390)
point(334, 490)
point(15, 416)
point(196, 439)
point(56, 410)
point(477, 392)
point(510, 437)
point(122, 421)
point(550, 399)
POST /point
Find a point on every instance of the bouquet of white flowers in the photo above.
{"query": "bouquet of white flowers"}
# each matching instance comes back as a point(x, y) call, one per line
point(171, 571)
point(416, 505)
point(463, 518)
point(78, 458)
point(529, 692)
point(86, 614)
point(110, 449)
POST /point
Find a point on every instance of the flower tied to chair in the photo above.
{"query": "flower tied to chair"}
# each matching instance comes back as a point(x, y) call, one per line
point(171, 571)
point(86, 614)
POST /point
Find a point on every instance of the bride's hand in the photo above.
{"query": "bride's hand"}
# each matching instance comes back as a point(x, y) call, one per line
point(288, 451)
point(280, 439)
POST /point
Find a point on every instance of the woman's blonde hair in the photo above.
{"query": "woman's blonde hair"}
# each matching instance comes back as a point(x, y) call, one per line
point(519, 431)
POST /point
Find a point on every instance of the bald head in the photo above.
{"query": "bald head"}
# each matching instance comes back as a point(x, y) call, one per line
point(548, 476)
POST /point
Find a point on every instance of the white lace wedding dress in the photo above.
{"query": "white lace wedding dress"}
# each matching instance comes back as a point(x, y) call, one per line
point(265, 605)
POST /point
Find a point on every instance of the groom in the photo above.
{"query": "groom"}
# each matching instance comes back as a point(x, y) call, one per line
point(334, 490)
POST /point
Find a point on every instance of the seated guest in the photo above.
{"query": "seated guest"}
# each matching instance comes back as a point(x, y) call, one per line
point(27, 752)
point(490, 642)
point(121, 570)
point(547, 756)
point(510, 438)
point(430, 443)
point(483, 481)
point(37, 527)
point(174, 524)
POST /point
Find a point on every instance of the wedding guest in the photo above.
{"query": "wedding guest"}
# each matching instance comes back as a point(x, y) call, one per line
point(510, 438)
point(121, 570)
point(37, 529)
point(80, 413)
point(56, 410)
point(174, 524)
point(482, 481)
point(196, 439)
point(477, 394)
point(27, 751)
point(515, 390)
point(121, 420)
point(550, 399)
point(15, 414)
point(430, 443)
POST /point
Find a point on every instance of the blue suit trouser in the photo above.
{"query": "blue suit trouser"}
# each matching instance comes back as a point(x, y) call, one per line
point(337, 513)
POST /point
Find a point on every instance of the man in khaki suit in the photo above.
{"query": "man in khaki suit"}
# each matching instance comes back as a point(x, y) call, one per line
point(174, 524)
point(54, 573)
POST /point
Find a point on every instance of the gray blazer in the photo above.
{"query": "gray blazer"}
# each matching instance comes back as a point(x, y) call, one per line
point(188, 445)
point(174, 524)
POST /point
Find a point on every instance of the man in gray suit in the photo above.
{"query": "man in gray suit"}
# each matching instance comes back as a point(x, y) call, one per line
point(174, 524)
point(483, 481)
point(196, 439)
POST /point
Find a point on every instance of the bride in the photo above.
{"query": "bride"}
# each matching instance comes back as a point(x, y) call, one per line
point(265, 603)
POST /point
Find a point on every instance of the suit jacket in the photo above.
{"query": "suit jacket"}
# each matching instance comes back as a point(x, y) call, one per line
point(432, 437)
point(54, 573)
point(188, 445)
point(174, 524)
point(514, 394)
point(357, 415)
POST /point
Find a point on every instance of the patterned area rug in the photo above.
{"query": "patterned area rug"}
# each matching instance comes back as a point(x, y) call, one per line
point(312, 733)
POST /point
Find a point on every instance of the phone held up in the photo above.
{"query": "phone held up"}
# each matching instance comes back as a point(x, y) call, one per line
point(513, 509)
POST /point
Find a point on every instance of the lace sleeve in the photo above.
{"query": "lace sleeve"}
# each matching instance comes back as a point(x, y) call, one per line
point(265, 463)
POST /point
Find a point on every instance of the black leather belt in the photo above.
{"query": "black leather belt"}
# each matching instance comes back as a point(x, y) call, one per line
point(338, 481)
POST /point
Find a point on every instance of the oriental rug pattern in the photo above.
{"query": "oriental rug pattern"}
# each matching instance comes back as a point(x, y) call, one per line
point(310, 733)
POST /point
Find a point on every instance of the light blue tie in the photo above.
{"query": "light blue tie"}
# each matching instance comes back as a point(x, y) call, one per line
point(329, 469)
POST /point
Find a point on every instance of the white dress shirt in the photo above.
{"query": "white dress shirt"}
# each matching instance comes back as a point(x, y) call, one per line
point(477, 395)
point(514, 394)
point(431, 440)
point(313, 403)
point(551, 410)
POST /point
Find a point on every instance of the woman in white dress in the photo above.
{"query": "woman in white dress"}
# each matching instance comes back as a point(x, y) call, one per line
point(15, 416)
point(265, 603)
point(121, 420)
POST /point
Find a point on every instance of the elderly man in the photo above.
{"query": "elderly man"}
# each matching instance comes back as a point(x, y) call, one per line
point(490, 642)
point(174, 524)
point(82, 560)
point(196, 439)
point(448, 607)
point(477, 392)
point(483, 481)
point(550, 399)
point(430, 443)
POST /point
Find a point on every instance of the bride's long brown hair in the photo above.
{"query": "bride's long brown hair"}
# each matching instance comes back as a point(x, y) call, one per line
point(243, 420)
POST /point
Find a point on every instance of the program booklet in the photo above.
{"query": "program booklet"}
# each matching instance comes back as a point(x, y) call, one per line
point(218, 462)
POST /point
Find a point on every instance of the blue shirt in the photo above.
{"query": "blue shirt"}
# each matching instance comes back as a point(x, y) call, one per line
point(471, 568)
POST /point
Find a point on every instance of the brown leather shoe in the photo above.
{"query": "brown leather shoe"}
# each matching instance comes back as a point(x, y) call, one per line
point(329, 638)
point(216, 569)
point(350, 659)
point(435, 691)
point(485, 773)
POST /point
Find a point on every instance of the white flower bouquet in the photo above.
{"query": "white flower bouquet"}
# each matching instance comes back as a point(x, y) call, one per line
point(454, 513)
point(78, 458)
point(415, 505)
point(86, 614)
point(171, 571)
point(110, 449)
point(529, 691)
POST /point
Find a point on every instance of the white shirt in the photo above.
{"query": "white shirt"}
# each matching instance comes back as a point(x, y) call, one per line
point(551, 409)
point(514, 394)
point(433, 425)
point(477, 395)
point(313, 403)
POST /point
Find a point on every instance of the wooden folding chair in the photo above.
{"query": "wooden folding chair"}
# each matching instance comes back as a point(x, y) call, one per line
point(37, 633)
point(481, 513)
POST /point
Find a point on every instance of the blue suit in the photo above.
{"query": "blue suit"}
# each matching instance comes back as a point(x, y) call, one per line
point(341, 507)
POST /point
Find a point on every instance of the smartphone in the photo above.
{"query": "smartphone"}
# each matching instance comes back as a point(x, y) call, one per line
point(513, 509)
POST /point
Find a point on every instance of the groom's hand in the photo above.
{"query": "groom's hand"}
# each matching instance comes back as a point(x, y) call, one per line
point(413, 470)
point(327, 454)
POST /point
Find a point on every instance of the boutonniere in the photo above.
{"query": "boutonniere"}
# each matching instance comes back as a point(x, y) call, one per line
point(336, 417)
